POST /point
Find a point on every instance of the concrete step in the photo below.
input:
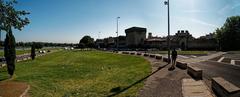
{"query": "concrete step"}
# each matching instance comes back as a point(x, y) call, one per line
point(193, 88)
point(224, 88)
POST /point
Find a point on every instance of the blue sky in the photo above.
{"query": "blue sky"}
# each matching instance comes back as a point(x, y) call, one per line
point(69, 20)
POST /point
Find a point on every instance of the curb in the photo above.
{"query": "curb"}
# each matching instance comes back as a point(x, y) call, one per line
point(195, 72)
point(25, 92)
point(182, 65)
point(224, 88)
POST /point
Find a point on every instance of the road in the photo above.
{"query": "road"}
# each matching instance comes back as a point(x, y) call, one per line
point(229, 72)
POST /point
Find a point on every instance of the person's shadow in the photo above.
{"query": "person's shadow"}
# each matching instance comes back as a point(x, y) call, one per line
point(171, 68)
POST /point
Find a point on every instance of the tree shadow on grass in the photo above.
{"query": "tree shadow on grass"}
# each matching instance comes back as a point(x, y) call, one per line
point(118, 90)
point(4, 78)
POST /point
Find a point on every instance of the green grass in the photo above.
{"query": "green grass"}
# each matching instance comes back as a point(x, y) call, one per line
point(183, 52)
point(18, 52)
point(81, 74)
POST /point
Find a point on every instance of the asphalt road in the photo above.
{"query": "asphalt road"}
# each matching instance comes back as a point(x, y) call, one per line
point(235, 55)
point(215, 69)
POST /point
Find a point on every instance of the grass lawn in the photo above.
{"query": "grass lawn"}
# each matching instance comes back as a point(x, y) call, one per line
point(18, 52)
point(82, 74)
point(183, 52)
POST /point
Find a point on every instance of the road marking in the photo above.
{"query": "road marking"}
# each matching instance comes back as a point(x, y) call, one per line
point(233, 62)
point(183, 56)
point(224, 63)
point(193, 56)
point(220, 60)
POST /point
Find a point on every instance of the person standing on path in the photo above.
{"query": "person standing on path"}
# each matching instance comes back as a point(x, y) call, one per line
point(174, 58)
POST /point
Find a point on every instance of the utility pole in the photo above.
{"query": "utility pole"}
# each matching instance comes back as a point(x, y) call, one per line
point(168, 37)
point(117, 33)
point(0, 35)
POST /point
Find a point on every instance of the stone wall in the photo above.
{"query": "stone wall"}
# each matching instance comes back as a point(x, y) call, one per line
point(200, 44)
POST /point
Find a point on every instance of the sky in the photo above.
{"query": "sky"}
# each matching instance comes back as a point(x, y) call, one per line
point(67, 21)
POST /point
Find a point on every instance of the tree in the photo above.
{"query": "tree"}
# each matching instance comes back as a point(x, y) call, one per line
point(81, 45)
point(33, 54)
point(228, 35)
point(11, 18)
point(10, 52)
point(38, 45)
point(87, 41)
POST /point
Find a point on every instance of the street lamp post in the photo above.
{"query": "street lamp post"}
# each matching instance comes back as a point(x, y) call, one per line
point(99, 40)
point(0, 35)
point(168, 37)
point(117, 33)
point(99, 33)
point(0, 38)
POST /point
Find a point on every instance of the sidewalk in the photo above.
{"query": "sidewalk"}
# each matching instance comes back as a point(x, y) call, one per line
point(163, 83)
point(176, 83)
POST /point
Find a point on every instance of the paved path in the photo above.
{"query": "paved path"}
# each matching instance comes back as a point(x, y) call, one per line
point(193, 88)
point(163, 83)
point(176, 83)
point(13, 89)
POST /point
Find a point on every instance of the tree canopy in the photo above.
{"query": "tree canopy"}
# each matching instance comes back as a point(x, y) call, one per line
point(228, 35)
point(87, 41)
point(10, 17)
point(38, 45)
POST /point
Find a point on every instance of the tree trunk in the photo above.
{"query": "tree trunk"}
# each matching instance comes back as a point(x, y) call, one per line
point(33, 54)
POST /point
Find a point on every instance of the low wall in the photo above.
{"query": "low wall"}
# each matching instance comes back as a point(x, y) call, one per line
point(194, 72)
point(224, 88)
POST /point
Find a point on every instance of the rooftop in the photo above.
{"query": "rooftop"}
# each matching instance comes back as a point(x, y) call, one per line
point(137, 29)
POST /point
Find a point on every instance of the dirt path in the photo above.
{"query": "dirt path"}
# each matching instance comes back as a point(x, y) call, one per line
point(13, 89)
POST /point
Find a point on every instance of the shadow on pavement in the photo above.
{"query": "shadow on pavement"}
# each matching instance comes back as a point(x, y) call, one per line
point(118, 90)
